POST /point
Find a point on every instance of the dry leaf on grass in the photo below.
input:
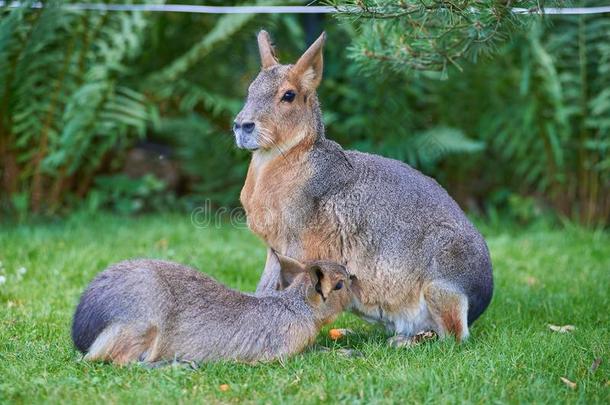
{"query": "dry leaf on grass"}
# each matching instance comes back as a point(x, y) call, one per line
point(562, 329)
point(224, 387)
point(595, 364)
point(408, 341)
point(424, 337)
point(162, 244)
point(568, 383)
point(336, 334)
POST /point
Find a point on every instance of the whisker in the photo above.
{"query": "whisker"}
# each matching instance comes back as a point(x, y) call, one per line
point(264, 133)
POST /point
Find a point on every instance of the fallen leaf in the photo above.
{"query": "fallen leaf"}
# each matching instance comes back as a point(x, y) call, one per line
point(595, 364)
point(336, 334)
point(224, 387)
point(569, 383)
point(162, 244)
point(408, 341)
point(15, 303)
point(562, 329)
point(424, 336)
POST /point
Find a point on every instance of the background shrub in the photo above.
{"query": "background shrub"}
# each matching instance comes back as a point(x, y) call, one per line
point(524, 131)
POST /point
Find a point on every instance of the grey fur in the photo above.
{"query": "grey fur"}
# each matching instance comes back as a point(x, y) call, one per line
point(420, 261)
point(405, 218)
point(153, 310)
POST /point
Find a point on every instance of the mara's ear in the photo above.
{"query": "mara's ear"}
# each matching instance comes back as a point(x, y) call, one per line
point(266, 50)
point(289, 269)
point(322, 282)
point(272, 265)
point(309, 67)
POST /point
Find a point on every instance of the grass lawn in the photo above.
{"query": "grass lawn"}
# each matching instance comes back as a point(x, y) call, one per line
point(542, 277)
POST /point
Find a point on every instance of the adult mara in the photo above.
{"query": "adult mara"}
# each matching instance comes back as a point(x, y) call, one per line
point(421, 263)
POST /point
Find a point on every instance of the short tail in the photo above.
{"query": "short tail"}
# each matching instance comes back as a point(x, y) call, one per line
point(479, 299)
point(87, 324)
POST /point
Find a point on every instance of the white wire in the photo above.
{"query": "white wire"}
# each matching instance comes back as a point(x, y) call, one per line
point(187, 8)
point(562, 10)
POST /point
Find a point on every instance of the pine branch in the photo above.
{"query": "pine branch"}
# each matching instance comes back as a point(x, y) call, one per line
point(427, 35)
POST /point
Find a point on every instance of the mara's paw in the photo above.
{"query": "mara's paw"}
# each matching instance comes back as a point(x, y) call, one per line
point(407, 341)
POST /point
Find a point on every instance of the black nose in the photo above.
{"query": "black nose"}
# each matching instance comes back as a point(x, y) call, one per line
point(248, 127)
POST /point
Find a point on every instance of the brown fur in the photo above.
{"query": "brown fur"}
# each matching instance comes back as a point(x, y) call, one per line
point(268, 185)
point(420, 262)
point(452, 320)
point(321, 241)
point(449, 309)
point(123, 344)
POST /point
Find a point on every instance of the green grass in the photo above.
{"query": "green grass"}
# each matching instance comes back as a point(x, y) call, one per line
point(542, 276)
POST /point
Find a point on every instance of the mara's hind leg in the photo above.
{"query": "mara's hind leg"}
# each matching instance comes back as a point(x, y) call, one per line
point(125, 343)
point(448, 309)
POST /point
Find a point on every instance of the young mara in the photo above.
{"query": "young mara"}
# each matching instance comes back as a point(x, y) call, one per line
point(152, 310)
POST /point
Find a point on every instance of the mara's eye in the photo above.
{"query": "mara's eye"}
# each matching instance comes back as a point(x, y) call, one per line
point(339, 285)
point(289, 96)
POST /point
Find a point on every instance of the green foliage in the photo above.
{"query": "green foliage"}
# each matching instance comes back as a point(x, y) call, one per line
point(546, 119)
point(65, 100)
point(199, 89)
point(540, 106)
point(584, 101)
point(216, 167)
point(427, 35)
point(426, 148)
point(127, 196)
point(386, 114)
point(531, 122)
